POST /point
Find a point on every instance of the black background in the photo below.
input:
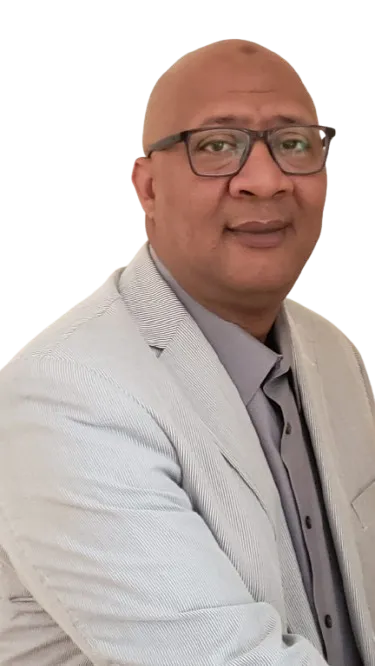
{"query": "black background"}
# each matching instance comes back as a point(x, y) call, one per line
point(76, 88)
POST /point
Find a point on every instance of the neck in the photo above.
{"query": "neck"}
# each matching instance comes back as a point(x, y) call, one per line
point(257, 323)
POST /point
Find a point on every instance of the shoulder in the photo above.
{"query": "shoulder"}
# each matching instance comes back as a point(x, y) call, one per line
point(98, 324)
point(93, 354)
point(332, 347)
point(313, 325)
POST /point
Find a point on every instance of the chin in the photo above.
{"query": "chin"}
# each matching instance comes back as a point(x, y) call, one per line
point(263, 281)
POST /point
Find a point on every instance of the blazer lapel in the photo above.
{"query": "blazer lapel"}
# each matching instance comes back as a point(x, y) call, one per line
point(198, 373)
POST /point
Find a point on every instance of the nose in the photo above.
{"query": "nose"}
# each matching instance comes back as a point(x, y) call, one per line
point(260, 175)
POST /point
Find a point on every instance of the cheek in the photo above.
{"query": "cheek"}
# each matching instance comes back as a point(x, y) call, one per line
point(166, 197)
point(174, 192)
point(207, 202)
point(311, 193)
point(190, 203)
point(311, 196)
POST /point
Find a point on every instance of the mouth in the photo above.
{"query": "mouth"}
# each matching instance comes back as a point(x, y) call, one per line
point(261, 227)
point(261, 238)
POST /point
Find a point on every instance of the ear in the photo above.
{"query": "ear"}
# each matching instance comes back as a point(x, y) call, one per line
point(142, 179)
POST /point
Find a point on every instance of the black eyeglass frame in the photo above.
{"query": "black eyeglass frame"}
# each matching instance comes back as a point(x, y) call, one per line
point(254, 135)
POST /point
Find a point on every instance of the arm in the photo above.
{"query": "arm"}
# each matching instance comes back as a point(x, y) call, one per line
point(98, 529)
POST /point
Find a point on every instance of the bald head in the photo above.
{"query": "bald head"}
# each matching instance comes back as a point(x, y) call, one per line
point(194, 80)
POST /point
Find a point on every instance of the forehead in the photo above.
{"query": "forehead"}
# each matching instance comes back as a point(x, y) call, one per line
point(255, 93)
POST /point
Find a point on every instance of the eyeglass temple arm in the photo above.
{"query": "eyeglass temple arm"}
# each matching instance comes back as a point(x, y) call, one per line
point(163, 144)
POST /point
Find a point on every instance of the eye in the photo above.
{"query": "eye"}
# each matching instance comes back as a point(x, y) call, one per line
point(293, 142)
point(217, 145)
point(298, 145)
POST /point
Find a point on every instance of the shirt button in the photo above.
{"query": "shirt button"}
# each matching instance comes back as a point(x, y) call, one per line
point(308, 522)
point(288, 428)
point(328, 621)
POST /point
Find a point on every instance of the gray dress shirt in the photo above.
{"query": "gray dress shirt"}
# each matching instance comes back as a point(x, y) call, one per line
point(264, 379)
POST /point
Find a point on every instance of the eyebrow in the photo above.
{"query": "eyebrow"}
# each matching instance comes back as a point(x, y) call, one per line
point(245, 121)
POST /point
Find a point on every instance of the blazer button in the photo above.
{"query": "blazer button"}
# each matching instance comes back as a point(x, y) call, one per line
point(308, 522)
point(288, 428)
point(328, 621)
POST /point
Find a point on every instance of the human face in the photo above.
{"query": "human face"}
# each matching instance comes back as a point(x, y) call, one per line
point(188, 216)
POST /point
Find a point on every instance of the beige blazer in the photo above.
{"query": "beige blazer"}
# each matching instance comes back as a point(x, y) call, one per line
point(139, 521)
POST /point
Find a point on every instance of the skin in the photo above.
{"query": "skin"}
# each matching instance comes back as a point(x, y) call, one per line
point(187, 215)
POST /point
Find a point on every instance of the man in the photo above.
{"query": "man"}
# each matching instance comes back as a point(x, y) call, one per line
point(187, 456)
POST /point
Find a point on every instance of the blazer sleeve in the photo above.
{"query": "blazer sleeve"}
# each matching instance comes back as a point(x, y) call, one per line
point(106, 555)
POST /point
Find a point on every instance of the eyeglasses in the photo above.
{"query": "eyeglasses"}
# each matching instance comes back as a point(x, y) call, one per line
point(222, 151)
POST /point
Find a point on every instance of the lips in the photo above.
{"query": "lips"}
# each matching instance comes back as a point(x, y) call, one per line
point(260, 227)
point(259, 234)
